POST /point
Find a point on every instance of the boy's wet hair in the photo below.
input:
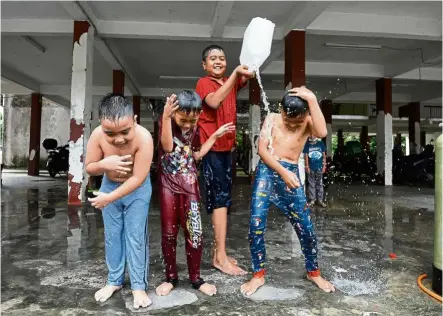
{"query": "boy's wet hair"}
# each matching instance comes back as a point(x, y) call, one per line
point(294, 106)
point(189, 101)
point(210, 48)
point(114, 107)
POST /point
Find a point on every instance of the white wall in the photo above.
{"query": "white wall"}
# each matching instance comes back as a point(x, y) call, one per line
point(55, 124)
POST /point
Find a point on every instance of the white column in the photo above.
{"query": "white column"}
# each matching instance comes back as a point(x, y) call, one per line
point(81, 106)
point(389, 227)
point(254, 134)
point(417, 137)
point(384, 146)
point(407, 145)
point(329, 140)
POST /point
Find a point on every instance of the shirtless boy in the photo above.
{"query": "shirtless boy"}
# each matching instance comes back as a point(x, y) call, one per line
point(122, 150)
point(281, 142)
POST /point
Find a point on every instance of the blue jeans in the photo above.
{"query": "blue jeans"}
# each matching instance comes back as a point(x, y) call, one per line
point(269, 188)
point(126, 235)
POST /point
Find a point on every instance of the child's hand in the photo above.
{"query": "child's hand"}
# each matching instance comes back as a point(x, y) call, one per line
point(227, 128)
point(100, 201)
point(117, 163)
point(171, 106)
point(303, 93)
point(291, 179)
point(243, 71)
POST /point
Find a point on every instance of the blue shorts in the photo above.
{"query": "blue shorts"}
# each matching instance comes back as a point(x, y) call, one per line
point(217, 174)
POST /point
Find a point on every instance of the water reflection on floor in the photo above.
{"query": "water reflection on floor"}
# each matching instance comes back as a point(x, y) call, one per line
point(53, 256)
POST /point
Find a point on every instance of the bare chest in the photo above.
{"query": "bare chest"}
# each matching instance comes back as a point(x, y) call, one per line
point(287, 141)
point(109, 150)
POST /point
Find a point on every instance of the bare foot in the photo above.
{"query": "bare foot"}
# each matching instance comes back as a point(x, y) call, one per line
point(208, 289)
point(103, 294)
point(322, 284)
point(141, 299)
point(228, 267)
point(233, 260)
point(164, 289)
point(252, 286)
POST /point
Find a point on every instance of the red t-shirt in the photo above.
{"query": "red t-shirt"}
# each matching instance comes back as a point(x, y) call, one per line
point(177, 169)
point(210, 120)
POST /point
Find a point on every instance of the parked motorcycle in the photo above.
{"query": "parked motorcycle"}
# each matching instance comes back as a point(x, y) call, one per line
point(58, 157)
point(414, 169)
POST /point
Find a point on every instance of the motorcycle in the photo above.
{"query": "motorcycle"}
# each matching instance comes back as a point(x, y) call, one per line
point(414, 169)
point(58, 157)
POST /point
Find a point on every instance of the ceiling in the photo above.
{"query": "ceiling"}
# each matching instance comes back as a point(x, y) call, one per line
point(152, 39)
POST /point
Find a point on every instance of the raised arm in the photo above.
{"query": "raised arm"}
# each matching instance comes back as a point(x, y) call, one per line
point(166, 137)
point(215, 99)
point(227, 128)
point(317, 124)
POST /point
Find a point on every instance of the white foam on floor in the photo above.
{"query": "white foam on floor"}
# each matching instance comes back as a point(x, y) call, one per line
point(175, 298)
point(357, 287)
point(270, 293)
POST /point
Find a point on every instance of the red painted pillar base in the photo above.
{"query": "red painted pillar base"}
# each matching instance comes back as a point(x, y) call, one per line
point(34, 135)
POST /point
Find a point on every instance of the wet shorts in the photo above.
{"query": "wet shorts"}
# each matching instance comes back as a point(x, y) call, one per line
point(217, 174)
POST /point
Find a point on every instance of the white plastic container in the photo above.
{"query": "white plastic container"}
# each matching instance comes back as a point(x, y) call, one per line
point(257, 42)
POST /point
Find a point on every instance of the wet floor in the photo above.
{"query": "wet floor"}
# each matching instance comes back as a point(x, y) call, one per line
point(53, 256)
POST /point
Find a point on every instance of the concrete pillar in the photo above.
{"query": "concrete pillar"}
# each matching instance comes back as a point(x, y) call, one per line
point(407, 149)
point(118, 82)
point(254, 123)
point(340, 142)
point(423, 142)
point(326, 107)
point(384, 129)
point(295, 74)
point(414, 126)
point(81, 106)
point(34, 135)
point(364, 139)
point(136, 106)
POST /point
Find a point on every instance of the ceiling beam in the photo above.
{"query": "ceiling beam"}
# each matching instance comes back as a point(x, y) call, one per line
point(369, 97)
point(303, 14)
point(376, 25)
point(20, 78)
point(428, 53)
point(425, 74)
point(328, 69)
point(73, 10)
point(36, 27)
point(220, 17)
point(356, 70)
point(169, 31)
point(82, 11)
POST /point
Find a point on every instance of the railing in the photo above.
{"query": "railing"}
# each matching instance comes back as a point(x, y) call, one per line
point(429, 112)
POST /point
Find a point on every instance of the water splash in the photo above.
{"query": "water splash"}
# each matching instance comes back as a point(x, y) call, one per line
point(266, 103)
point(263, 93)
